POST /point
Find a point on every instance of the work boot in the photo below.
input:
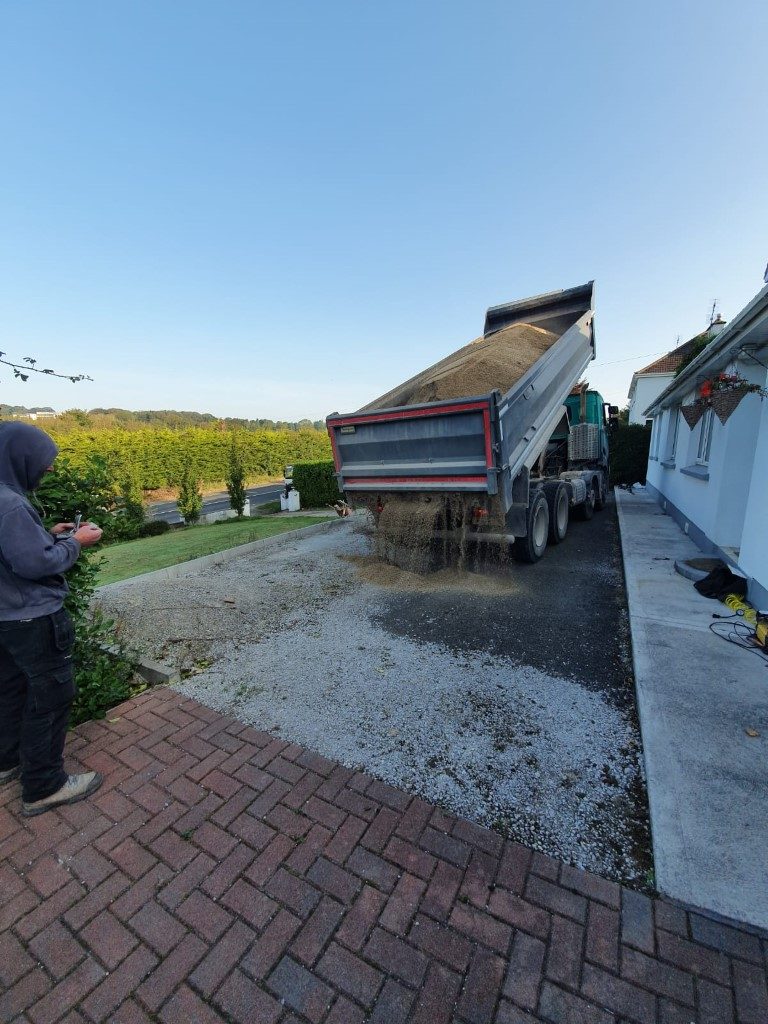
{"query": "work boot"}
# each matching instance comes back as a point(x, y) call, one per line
point(10, 774)
point(75, 788)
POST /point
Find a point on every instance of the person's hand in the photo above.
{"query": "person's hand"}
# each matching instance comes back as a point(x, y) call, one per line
point(61, 528)
point(88, 535)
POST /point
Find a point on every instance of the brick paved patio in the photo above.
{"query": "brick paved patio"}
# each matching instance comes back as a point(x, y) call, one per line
point(224, 875)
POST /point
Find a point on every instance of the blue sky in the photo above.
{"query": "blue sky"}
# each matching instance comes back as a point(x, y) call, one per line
point(282, 210)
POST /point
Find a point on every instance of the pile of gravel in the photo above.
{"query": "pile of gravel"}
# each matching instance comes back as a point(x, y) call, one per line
point(487, 363)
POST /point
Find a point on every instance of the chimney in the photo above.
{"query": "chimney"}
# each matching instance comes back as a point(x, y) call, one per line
point(716, 326)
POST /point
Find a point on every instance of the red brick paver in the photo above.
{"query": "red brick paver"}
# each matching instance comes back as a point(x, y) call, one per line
point(222, 874)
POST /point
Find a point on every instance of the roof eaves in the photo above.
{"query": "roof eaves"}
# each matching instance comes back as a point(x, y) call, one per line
point(721, 346)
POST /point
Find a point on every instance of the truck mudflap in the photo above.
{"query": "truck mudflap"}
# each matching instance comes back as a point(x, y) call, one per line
point(440, 446)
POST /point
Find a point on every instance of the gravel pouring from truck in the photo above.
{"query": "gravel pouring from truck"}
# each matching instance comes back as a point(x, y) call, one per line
point(525, 459)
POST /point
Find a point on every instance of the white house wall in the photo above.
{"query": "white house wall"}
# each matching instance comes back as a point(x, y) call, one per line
point(753, 558)
point(725, 504)
point(731, 469)
point(647, 390)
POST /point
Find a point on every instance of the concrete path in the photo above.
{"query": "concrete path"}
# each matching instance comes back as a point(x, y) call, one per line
point(697, 695)
point(223, 876)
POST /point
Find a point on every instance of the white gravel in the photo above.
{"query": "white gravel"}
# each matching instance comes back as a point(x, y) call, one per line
point(539, 757)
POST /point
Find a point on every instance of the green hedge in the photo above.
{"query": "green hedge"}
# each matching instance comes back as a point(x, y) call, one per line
point(629, 444)
point(157, 456)
point(315, 483)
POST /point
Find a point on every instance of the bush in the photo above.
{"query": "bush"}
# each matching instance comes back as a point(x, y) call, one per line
point(103, 677)
point(154, 528)
point(315, 483)
point(629, 446)
point(190, 503)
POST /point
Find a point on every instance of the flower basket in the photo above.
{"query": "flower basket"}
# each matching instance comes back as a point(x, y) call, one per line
point(725, 403)
point(692, 413)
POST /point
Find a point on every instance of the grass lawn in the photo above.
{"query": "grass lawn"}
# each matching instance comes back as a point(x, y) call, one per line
point(120, 561)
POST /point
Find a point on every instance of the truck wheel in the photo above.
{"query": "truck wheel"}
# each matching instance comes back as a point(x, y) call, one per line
point(558, 501)
point(532, 546)
point(602, 493)
point(587, 509)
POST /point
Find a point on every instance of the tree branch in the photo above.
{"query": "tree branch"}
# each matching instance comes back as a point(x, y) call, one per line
point(30, 367)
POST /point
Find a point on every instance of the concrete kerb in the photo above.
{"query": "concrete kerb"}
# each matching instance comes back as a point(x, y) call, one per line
point(157, 673)
point(154, 673)
point(632, 605)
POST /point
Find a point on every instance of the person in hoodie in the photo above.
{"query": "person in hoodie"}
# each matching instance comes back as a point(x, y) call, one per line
point(37, 683)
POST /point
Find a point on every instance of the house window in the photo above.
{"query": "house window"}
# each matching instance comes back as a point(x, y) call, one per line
point(655, 428)
point(705, 438)
point(674, 422)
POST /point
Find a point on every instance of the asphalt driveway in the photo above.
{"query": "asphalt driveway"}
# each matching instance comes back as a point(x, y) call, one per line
point(565, 615)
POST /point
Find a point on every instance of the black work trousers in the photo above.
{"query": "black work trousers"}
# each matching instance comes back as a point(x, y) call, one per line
point(37, 687)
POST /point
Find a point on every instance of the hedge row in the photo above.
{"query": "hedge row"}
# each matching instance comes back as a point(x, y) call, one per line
point(315, 483)
point(158, 456)
point(629, 445)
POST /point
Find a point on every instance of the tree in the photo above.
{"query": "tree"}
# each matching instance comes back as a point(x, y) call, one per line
point(130, 515)
point(236, 480)
point(190, 503)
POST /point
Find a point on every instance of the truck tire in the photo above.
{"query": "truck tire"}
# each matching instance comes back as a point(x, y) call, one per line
point(559, 502)
point(532, 546)
point(587, 509)
point(602, 493)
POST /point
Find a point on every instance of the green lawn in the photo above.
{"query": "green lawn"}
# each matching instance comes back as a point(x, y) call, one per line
point(120, 561)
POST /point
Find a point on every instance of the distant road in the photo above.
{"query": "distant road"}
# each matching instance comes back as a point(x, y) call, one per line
point(213, 502)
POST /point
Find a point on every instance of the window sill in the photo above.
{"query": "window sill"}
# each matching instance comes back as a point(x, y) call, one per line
point(668, 463)
point(700, 472)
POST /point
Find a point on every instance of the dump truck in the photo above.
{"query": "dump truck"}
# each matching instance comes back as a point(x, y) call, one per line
point(523, 462)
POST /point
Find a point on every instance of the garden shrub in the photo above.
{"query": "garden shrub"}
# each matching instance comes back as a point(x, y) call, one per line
point(104, 671)
point(315, 483)
point(629, 445)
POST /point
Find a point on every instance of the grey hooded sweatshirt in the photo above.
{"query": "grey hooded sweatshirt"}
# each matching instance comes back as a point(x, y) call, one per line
point(31, 559)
